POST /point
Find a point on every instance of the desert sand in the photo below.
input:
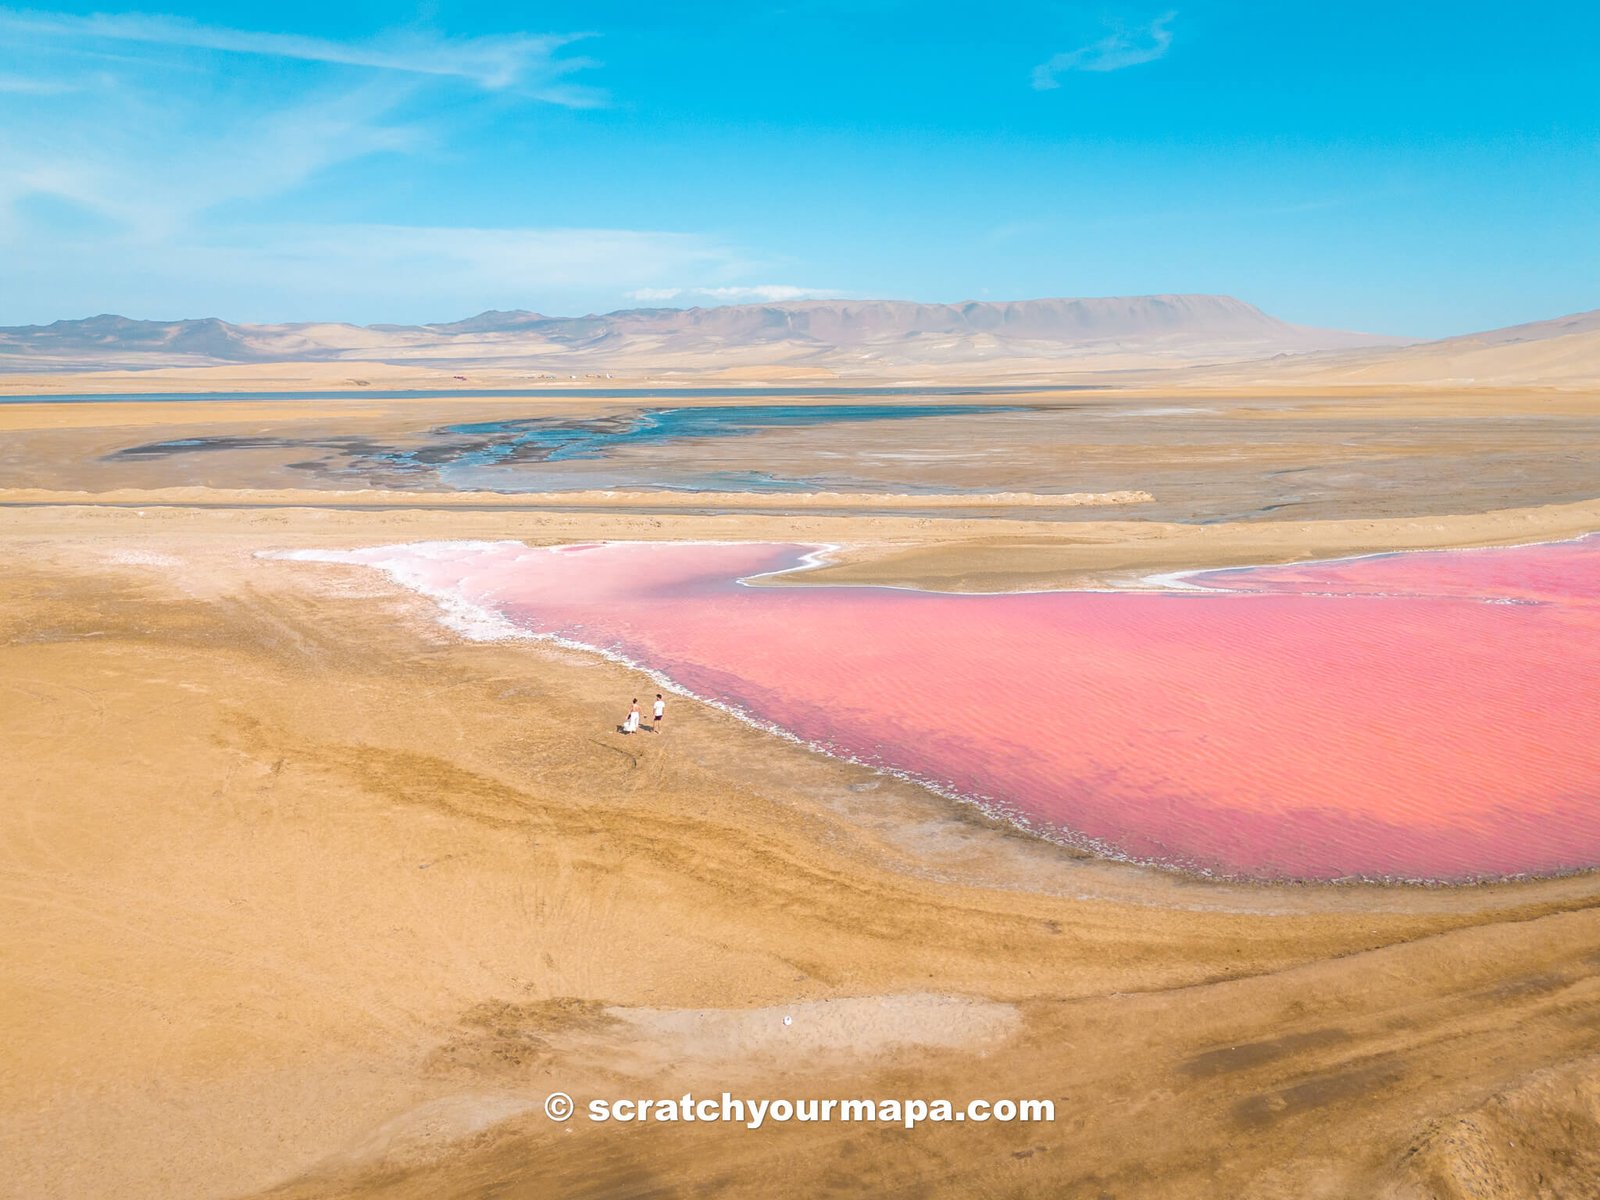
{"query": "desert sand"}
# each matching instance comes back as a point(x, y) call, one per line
point(310, 897)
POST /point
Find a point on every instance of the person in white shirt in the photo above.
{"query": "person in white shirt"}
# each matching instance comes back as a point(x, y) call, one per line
point(659, 714)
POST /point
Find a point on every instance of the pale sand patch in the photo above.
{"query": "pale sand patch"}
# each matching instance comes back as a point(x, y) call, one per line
point(576, 499)
point(141, 558)
point(844, 1027)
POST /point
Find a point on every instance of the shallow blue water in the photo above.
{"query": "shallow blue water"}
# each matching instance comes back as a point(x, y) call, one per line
point(562, 439)
point(549, 453)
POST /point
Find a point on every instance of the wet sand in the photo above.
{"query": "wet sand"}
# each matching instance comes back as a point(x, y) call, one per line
point(309, 897)
point(1214, 458)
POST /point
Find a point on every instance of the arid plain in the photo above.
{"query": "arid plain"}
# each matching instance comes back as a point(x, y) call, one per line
point(309, 896)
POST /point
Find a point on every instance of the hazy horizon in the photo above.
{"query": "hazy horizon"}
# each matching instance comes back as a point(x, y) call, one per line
point(660, 306)
point(165, 319)
point(1421, 173)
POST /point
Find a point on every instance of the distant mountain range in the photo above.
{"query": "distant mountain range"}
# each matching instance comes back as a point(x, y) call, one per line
point(843, 336)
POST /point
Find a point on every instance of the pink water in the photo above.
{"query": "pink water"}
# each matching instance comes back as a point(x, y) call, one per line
point(1420, 716)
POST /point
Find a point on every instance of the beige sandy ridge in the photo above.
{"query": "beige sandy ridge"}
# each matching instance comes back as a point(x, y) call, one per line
point(990, 554)
point(632, 499)
point(1125, 554)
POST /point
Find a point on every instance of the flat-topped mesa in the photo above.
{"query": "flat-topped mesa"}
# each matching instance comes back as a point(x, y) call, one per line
point(853, 322)
point(842, 322)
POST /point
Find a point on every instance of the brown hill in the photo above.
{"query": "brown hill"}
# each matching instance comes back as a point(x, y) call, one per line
point(841, 334)
point(1562, 352)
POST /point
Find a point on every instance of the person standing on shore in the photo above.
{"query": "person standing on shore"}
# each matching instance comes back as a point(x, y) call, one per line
point(631, 725)
point(658, 714)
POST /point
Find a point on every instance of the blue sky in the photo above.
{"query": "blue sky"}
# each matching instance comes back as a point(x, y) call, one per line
point(1420, 168)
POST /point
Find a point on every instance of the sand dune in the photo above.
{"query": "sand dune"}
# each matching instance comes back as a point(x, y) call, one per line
point(1564, 352)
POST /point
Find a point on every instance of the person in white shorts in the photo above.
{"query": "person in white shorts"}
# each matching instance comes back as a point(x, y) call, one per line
point(631, 725)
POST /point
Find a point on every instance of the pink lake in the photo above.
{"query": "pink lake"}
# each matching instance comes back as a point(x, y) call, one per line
point(1424, 716)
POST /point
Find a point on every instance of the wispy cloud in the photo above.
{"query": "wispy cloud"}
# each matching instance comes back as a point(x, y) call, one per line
point(21, 85)
point(1118, 49)
point(154, 165)
point(397, 273)
point(758, 292)
point(160, 135)
point(154, 168)
point(526, 62)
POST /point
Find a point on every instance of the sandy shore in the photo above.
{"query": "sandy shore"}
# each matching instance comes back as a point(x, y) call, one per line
point(313, 898)
point(309, 897)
